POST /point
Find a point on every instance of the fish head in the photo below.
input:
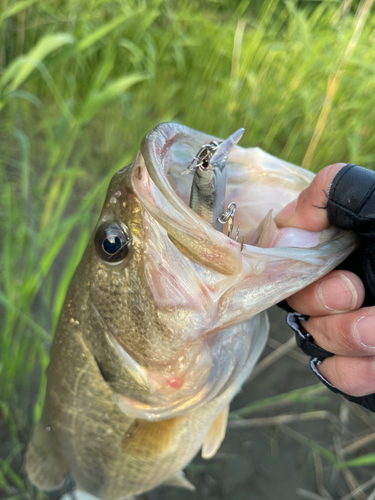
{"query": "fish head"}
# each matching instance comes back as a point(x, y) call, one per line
point(171, 304)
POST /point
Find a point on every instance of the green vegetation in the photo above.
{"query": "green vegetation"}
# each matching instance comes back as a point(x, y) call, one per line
point(82, 82)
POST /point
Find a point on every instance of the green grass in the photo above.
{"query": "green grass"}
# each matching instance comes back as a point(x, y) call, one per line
point(80, 85)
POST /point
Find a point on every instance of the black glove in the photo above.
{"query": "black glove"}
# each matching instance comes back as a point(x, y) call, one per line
point(351, 205)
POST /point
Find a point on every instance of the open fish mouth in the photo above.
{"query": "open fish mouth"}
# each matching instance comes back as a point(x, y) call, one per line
point(210, 285)
point(257, 183)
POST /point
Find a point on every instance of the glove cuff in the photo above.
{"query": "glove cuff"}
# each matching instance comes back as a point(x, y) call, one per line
point(351, 203)
point(306, 343)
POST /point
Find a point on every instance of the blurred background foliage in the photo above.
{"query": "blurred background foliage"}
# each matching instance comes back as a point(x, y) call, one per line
point(81, 83)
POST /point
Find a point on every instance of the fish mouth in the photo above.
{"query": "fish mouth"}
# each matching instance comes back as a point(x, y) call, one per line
point(209, 288)
point(258, 184)
point(226, 273)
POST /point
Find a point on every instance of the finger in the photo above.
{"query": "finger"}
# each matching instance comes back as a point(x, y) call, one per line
point(307, 212)
point(347, 334)
point(353, 376)
point(337, 292)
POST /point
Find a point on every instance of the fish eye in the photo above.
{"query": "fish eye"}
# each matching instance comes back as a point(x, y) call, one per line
point(205, 164)
point(112, 243)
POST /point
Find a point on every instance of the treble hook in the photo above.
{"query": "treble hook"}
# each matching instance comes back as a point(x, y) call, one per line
point(228, 217)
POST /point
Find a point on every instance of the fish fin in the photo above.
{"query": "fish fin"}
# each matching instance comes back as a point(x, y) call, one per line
point(179, 480)
point(44, 468)
point(215, 435)
point(146, 440)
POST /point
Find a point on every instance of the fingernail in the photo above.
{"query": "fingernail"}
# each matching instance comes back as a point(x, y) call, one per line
point(364, 331)
point(286, 213)
point(338, 294)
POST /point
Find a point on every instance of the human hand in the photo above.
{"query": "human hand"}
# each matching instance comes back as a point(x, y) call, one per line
point(337, 321)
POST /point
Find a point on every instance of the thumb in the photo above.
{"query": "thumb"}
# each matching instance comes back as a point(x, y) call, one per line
point(308, 210)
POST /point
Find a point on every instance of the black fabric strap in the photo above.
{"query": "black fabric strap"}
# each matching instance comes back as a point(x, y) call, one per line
point(365, 401)
point(351, 205)
point(351, 200)
point(304, 340)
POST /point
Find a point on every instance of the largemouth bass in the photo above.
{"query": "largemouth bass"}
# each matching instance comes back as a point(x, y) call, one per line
point(165, 317)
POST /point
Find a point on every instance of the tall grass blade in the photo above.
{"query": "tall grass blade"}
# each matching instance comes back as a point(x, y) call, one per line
point(100, 33)
point(23, 66)
point(98, 99)
point(362, 461)
point(15, 8)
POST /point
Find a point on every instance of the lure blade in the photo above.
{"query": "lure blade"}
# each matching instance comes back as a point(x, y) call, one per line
point(222, 152)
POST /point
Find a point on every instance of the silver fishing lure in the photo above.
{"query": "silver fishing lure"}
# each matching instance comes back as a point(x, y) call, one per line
point(207, 196)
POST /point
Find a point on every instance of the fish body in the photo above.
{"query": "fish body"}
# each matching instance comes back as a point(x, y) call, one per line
point(164, 318)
